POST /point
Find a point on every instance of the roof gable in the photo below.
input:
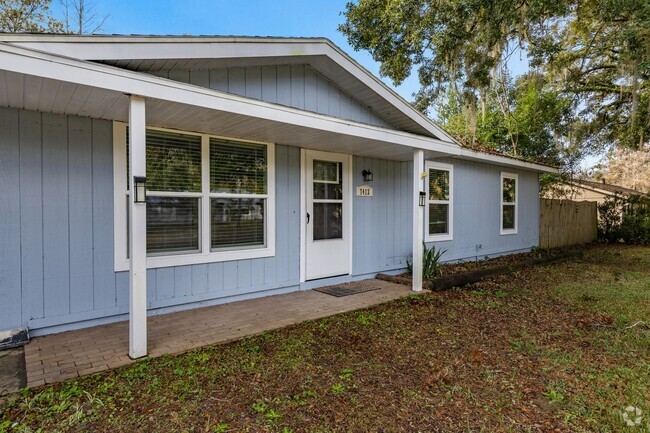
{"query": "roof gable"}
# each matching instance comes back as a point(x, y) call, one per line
point(164, 53)
point(297, 86)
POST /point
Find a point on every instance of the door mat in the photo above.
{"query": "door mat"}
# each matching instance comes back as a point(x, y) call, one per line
point(347, 289)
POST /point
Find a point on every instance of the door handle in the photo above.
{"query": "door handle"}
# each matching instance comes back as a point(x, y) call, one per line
point(308, 216)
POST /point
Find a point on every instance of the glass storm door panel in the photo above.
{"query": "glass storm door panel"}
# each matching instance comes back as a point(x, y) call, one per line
point(327, 238)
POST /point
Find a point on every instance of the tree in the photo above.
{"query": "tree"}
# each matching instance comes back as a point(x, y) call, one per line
point(527, 120)
point(599, 55)
point(28, 16)
point(628, 168)
point(593, 52)
point(82, 17)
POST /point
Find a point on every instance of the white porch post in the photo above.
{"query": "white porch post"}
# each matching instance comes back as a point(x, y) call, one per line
point(418, 219)
point(137, 233)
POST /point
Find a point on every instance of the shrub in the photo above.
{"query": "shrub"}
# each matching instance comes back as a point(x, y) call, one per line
point(624, 219)
point(430, 262)
point(635, 227)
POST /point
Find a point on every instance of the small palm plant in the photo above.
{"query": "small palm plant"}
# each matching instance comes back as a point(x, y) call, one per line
point(430, 262)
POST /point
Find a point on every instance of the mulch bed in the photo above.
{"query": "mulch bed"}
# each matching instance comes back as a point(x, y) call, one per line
point(461, 274)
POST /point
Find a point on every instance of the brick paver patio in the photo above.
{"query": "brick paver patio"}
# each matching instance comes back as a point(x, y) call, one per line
point(57, 357)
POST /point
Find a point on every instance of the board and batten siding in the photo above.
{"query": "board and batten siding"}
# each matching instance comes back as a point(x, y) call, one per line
point(477, 207)
point(382, 224)
point(297, 86)
point(58, 263)
point(56, 230)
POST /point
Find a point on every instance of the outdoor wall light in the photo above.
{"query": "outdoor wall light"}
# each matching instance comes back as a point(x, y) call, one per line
point(423, 198)
point(367, 175)
point(140, 188)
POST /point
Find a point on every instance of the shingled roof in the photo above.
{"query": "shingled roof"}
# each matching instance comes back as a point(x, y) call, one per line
point(614, 189)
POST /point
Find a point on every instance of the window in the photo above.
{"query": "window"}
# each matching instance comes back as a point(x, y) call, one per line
point(238, 193)
point(209, 199)
point(173, 196)
point(509, 195)
point(439, 207)
point(327, 200)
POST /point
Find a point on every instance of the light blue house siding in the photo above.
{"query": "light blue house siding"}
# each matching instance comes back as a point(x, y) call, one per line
point(56, 227)
point(476, 230)
point(56, 230)
point(382, 224)
point(297, 86)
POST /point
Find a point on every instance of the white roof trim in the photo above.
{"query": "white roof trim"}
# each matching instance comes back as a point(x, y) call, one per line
point(31, 62)
point(56, 67)
point(185, 47)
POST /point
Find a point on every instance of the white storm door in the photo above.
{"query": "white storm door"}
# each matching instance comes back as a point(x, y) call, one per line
point(328, 206)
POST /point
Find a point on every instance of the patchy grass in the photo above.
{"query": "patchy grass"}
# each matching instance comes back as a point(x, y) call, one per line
point(545, 349)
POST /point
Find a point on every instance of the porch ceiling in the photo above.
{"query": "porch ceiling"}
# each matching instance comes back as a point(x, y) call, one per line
point(47, 95)
point(51, 83)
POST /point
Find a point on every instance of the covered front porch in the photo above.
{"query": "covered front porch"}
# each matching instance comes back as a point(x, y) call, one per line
point(57, 357)
point(53, 84)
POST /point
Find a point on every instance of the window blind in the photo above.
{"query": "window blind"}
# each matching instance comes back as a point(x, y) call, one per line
point(237, 168)
point(237, 221)
point(173, 162)
point(172, 224)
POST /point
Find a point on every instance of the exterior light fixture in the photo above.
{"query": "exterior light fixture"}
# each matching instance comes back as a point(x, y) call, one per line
point(140, 189)
point(367, 175)
point(423, 198)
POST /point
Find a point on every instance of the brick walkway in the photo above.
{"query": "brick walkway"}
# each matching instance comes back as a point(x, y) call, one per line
point(56, 357)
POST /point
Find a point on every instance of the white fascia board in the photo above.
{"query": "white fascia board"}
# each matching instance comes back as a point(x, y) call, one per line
point(505, 161)
point(386, 92)
point(55, 67)
point(143, 48)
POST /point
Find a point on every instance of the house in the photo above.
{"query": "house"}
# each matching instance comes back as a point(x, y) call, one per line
point(144, 175)
point(587, 190)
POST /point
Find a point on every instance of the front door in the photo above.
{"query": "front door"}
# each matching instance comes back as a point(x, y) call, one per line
point(328, 206)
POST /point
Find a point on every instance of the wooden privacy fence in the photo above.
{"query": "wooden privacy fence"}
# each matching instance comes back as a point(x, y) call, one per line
point(566, 222)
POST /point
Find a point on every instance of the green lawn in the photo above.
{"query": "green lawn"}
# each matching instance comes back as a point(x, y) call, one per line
point(550, 348)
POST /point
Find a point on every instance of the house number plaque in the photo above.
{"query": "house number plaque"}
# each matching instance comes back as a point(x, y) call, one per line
point(364, 191)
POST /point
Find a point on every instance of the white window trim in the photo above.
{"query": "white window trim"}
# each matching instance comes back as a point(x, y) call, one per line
point(205, 255)
point(450, 224)
point(514, 176)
